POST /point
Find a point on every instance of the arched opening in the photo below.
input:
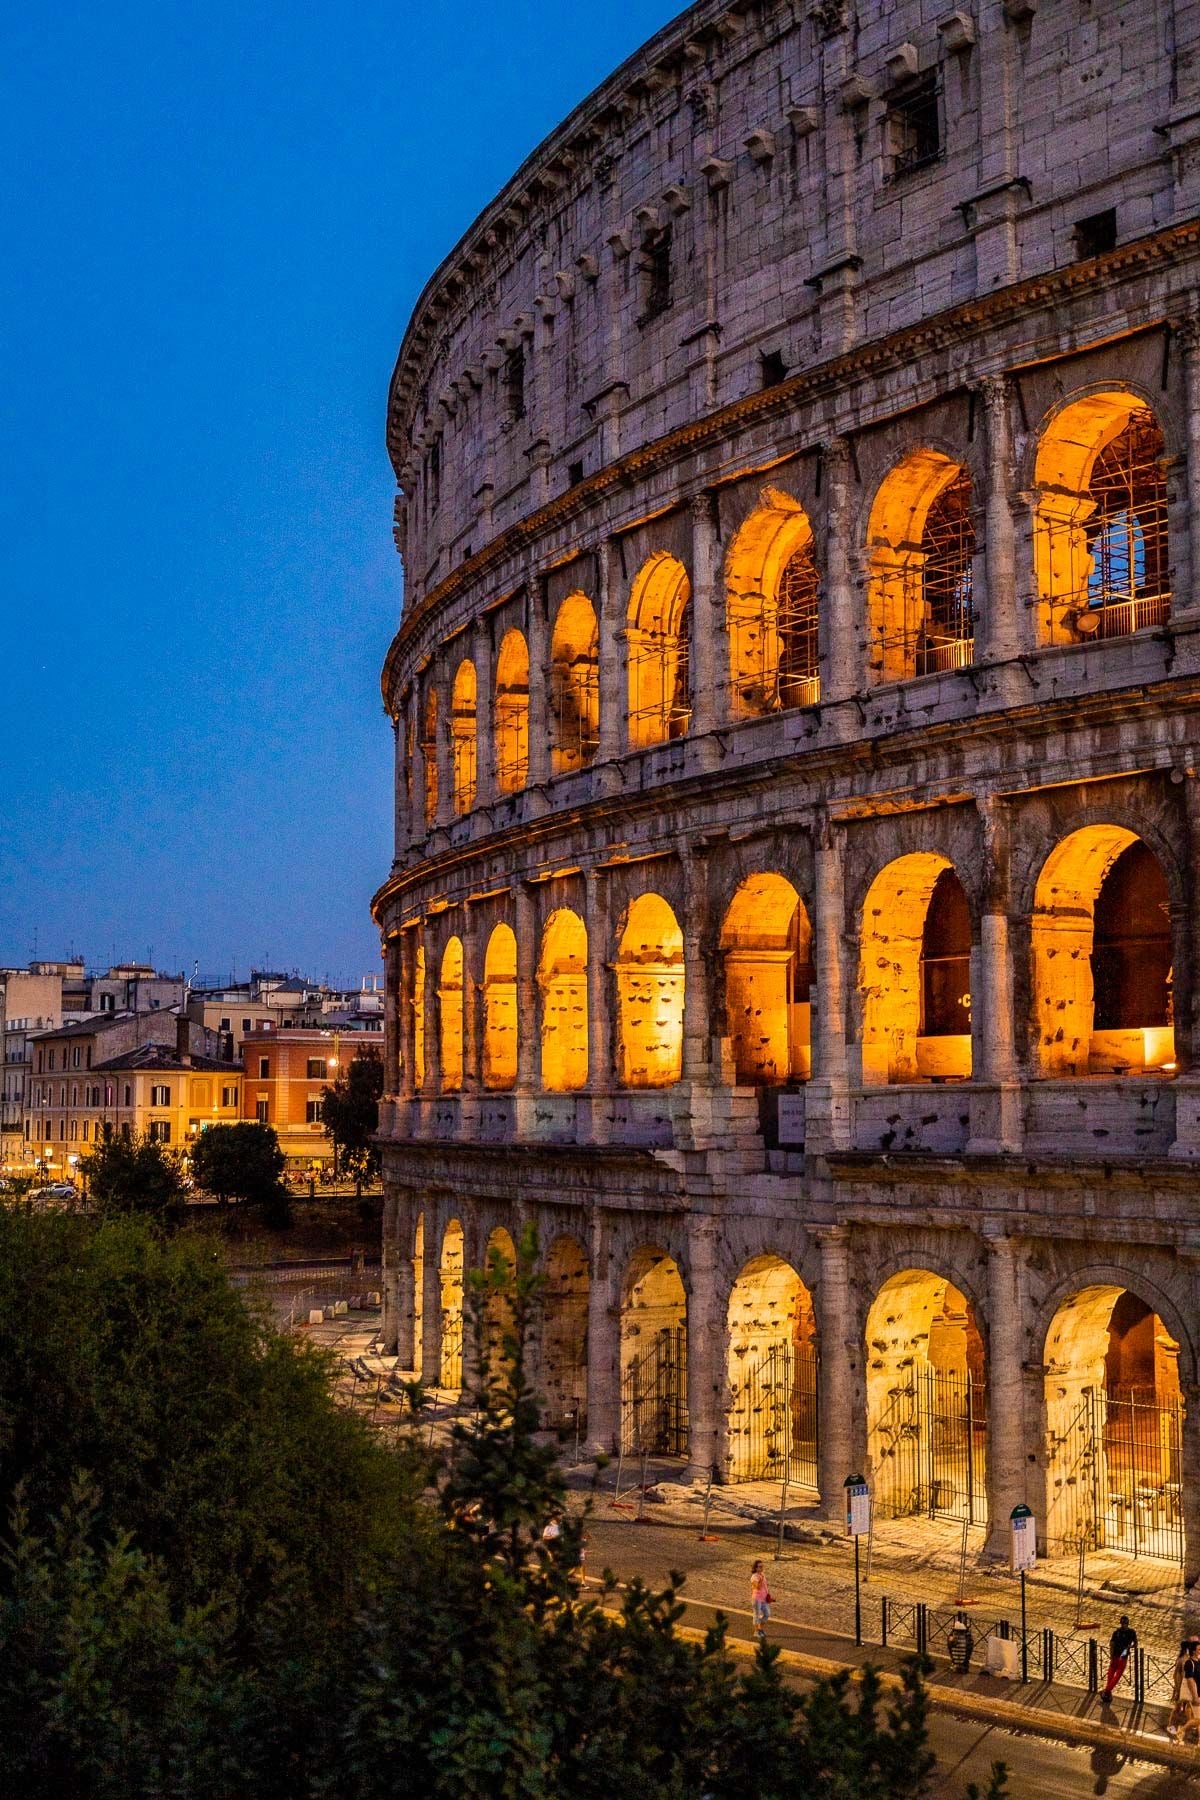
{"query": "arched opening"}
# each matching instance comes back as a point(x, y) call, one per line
point(575, 685)
point(650, 995)
point(653, 1356)
point(772, 601)
point(1102, 977)
point(766, 949)
point(922, 545)
point(512, 713)
point(914, 973)
point(772, 1371)
point(418, 1263)
point(564, 1306)
point(657, 632)
point(500, 1009)
point(1101, 551)
point(562, 978)
point(497, 1310)
point(451, 1271)
point(926, 1400)
point(462, 736)
point(450, 1016)
point(429, 731)
point(1114, 1428)
point(418, 1010)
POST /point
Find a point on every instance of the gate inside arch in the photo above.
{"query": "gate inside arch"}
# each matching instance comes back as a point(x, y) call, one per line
point(771, 1427)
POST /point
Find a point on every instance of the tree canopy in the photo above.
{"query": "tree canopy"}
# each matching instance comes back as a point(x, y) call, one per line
point(133, 1175)
point(239, 1162)
point(350, 1111)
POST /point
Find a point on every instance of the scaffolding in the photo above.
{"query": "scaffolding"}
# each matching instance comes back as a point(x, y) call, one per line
point(659, 699)
point(1128, 580)
point(776, 644)
point(462, 737)
point(943, 628)
point(512, 713)
point(575, 699)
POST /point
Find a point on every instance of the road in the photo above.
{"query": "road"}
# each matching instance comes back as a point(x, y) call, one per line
point(965, 1750)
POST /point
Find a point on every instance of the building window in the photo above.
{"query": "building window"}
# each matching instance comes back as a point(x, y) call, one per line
point(654, 269)
point(229, 1096)
point(125, 1133)
point(435, 476)
point(313, 1111)
point(262, 1111)
point(50, 1060)
point(160, 1096)
point(224, 1026)
point(317, 1068)
point(75, 1057)
point(514, 383)
point(264, 1068)
point(85, 1131)
point(128, 1094)
point(246, 1024)
point(914, 125)
point(1096, 234)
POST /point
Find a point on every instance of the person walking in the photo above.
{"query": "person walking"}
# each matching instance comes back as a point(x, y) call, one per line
point(1121, 1646)
point(1180, 1716)
point(760, 1598)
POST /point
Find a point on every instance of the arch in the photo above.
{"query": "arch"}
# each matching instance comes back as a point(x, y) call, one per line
point(650, 992)
point(766, 950)
point(913, 964)
point(1100, 541)
point(926, 1399)
point(511, 727)
point(921, 544)
point(418, 1007)
point(500, 1026)
point(429, 737)
point(497, 1308)
point(772, 1375)
point(450, 1270)
point(462, 735)
point(450, 1015)
point(1101, 949)
point(564, 1307)
point(1114, 1426)
point(657, 632)
point(653, 1355)
point(562, 978)
point(575, 685)
point(418, 1267)
point(772, 598)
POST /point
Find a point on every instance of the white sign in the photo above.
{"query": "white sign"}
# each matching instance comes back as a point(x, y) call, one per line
point(858, 1510)
point(1024, 1543)
point(791, 1119)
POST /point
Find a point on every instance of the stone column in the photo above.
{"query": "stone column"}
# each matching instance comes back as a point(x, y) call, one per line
point(433, 1019)
point(536, 636)
point(402, 825)
point(389, 1315)
point(828, 1100)
point(485, 740)
point(391, 1015)
point(1186, 934)
point(1185, 595)
point(604, 1344)
point(1190, 1481)
point(706, 1347)
point(525, 927)
point(995, 1068)
point(1006, 1463)
point(842, 1449)
point(431, 1300)
point(697, 1011)
point(610, 612)
point(407, 1017)
point(998, 634)
point(842, 672)
point(418, 825)
point(471, 992)
point(599, 988)
point(709, 671)
point(445, 761)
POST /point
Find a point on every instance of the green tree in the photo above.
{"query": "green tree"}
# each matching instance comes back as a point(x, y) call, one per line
point(350, 1111)
point(239, 1162)
point(134, 1175)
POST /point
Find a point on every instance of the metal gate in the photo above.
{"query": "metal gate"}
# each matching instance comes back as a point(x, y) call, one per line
point(929, 1450)
point(654, 1397)
point(773, 1422)
point(1115, 1477)
point(451, 1365)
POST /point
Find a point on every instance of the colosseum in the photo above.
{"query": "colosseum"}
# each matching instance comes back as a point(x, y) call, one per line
point(797, 814)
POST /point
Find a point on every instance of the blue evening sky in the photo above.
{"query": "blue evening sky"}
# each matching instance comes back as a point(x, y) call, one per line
point(216, 219)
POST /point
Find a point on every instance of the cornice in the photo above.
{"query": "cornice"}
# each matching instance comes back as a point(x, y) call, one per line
point(872, 358)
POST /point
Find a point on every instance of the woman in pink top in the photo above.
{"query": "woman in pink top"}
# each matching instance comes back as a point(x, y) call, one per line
point(760, 1599)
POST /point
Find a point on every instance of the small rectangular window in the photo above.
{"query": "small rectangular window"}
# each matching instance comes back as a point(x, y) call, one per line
point(316, 1068)
point(654, 269)
point(160, 1131)
point(224, 1025)
point(514, 383)
point(313, 1110)
point(229, 1096)
point(246, 1025)
point(262, 1111)
point(1096, 234)
point(574, 474)
point(914, 124)
point(128, 1094)
point(264, 1068)
point(774, 369)
point(435, 476)
point(160, 1096)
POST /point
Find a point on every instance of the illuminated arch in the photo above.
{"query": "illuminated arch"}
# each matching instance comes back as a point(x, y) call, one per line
point(418, 1268)
point(462, 735)
point(653, 1355)
point(429, 734)
point(926, 1399)
point(500, 1009)
point(772, 591)
point(650, 995)
point(562, 978)
point(512, 713)
point(914, 973)
point(1101, 942)
point(450, 1270)
point(766, 946)
point(921, 543)
point(771, 1368)
point(657, 633)
point(1100, 545)
point(575, 684)
point(564, 1318)
point(497, 1307)
point(450, 1015)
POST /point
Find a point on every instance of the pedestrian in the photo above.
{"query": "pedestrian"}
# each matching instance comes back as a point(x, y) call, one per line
point(760, 1598)
point(1121, 1646)
point(1181, 1711)
point(551, 1530)
point(1189, 1693)
point(961, 1643)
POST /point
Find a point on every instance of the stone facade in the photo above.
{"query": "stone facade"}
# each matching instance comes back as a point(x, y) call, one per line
point(796, 800)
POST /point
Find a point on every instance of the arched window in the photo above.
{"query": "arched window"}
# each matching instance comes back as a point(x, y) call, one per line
point(450, 1014)
point(1100, 543)
point(766, 946)
point(772, 600)
point(650, 995)
point(575, 684)
point(562, 977)
point(922, 545)
point(500, 1009)
point(512, 713)
point(429, 731)
point(462, 736)
point(946, 961)
point(657, 633)
point(914, 973)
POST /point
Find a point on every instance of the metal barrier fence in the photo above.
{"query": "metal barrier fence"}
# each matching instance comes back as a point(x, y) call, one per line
point(654, 1416)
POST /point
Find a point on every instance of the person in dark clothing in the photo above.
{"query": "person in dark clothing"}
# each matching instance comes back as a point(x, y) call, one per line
point(1121, 1646)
